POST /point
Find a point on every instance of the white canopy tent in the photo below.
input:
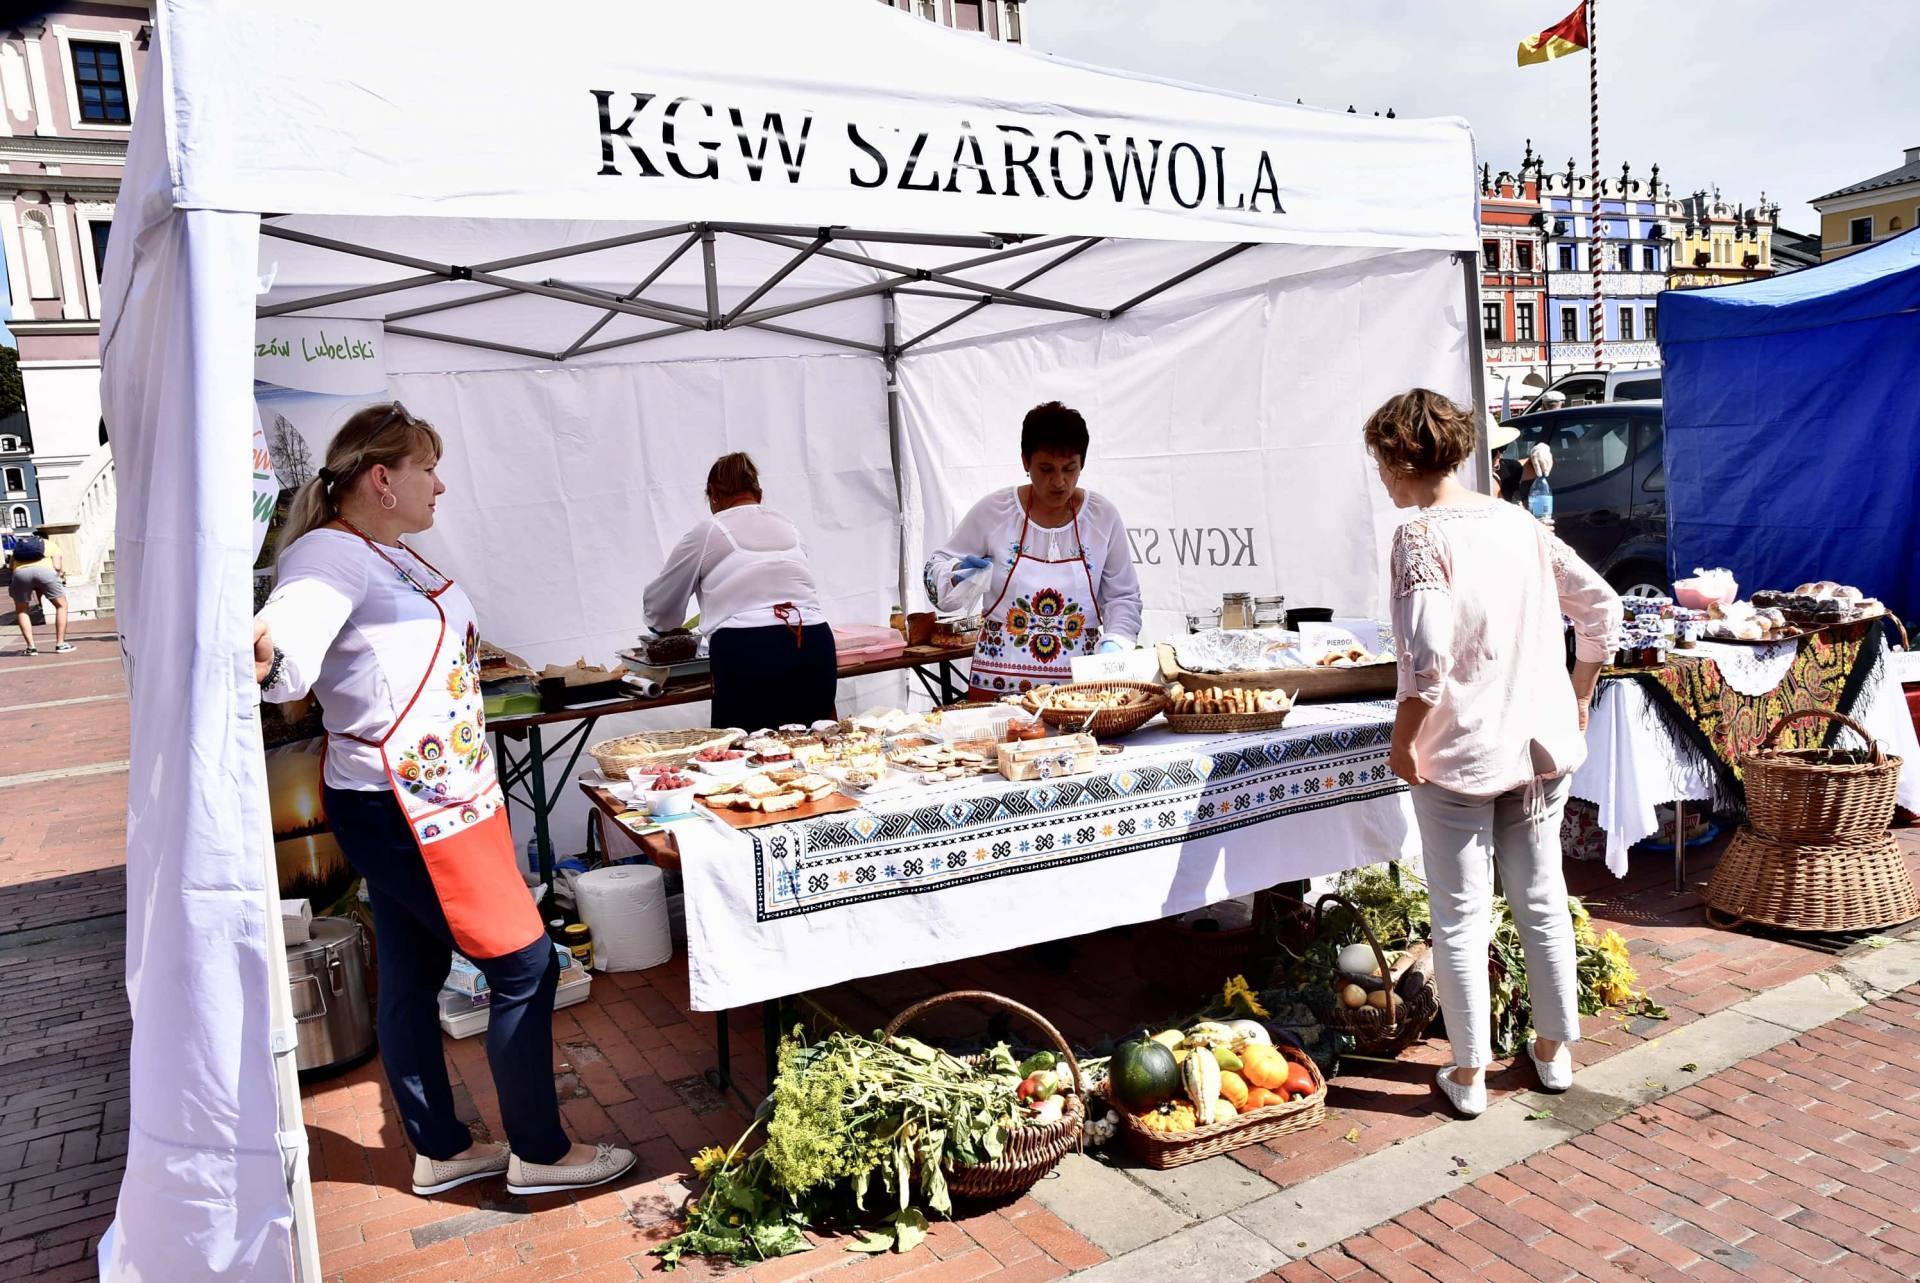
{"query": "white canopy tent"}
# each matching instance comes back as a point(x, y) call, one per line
point(849, 241)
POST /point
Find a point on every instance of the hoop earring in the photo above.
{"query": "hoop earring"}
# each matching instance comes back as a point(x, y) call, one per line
point(387, 500)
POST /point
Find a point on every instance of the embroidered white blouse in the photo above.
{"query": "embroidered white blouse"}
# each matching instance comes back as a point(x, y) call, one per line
point(991, 529)
point(1478, 595)
point(741, 563)
point(332, 592)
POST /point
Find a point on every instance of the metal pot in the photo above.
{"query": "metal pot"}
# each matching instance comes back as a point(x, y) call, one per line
point(328, 978)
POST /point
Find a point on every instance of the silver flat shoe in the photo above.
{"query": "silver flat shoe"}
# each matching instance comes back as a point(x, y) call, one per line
point(438, 1175)
point(1471, 1102)
point(1555, 1074)
point(609, 1163)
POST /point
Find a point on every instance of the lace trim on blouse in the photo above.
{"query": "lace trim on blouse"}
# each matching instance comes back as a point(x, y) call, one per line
point(1419, 564)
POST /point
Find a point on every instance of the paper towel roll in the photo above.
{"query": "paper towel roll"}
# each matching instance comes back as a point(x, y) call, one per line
point(625, 906)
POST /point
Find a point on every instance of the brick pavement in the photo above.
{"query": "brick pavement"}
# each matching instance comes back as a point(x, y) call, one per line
point(629, 1063)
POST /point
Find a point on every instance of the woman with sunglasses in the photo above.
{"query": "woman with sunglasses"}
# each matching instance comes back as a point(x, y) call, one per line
point(389, 646)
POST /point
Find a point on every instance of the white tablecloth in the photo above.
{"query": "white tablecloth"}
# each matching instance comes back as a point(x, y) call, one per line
point(930, 875)
point(1634, 766)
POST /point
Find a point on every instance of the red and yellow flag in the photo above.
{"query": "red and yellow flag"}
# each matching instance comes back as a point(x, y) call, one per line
point(1569, 35)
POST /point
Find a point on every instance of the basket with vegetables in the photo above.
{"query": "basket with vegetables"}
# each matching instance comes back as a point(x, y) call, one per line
point(1385, 1001)
point(1185, 1095)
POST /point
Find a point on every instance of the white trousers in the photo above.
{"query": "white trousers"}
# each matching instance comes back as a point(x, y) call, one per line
point(1463, 838)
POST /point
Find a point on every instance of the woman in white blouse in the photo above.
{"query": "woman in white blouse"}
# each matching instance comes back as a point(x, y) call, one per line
point(1489, 727)
point(767, 636)
point(1059, 578)
point(389, 646)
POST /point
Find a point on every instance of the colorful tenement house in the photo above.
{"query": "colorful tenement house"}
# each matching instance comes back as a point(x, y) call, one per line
point(1636, 235)
point(996, 19)
point(1513, 296)
point(1717, 243)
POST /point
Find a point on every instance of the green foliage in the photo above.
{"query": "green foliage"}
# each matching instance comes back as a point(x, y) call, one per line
point(13, 393)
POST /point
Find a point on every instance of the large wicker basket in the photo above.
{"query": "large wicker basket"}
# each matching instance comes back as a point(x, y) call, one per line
point(1161, 1150)
point(655, 748)
point(1799, 887)
point(1108, 723)
point(1803, 795)
point(1033, 1150)
point(1412, 1001)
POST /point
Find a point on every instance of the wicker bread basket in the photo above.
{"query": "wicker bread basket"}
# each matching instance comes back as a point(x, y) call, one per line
point(655, 748)
point(1032, 1150)
point(1803, 795)
point(1107, 723)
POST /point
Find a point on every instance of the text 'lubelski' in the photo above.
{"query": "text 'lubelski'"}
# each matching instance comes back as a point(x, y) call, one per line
point(645, 137)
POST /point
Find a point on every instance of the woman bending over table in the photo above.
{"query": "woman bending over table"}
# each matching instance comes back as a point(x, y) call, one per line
point(772, 651)
point(1059, 578)
point(1489, 728)
point(390, 647)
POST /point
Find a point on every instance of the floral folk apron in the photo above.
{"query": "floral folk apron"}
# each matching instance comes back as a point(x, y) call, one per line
point(1036, 626)
point(442, 772)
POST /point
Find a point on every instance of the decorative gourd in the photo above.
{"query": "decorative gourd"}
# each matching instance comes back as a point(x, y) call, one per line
point(1210, 1033)
point(1143, 1075)
point(1168, 1118)
point(1249, 1031)
point(1224, 1111)
point(1200, 1075)
point(1261, 1098)
point(1233, 1088)
point(1358, 960)
point(1226, 1058)
point(1264, 1066)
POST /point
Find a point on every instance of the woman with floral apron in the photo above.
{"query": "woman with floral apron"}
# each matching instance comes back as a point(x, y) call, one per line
point(1060, 579)
point(389, 646)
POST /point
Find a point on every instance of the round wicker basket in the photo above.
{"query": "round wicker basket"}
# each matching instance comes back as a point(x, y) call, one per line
point(1148, 700)
point(1802, 795)
point(655, 748)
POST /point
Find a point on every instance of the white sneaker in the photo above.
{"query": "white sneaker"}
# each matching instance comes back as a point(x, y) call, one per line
point(437, 1176)
point(609, 1163)
point(1555, 1074)
point(1468, 1101)
point(63, 648)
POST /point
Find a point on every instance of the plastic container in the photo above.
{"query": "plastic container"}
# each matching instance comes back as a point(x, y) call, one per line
point(1540, 498)
point(460, 1018)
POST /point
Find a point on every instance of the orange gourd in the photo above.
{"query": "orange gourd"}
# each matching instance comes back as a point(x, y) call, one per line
point(1263, 1066)
point(1168, 1118)
point(1233, 1088)
point(1260, 1098)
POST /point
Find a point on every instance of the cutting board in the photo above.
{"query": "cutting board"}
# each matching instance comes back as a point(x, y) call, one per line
point(831, 805)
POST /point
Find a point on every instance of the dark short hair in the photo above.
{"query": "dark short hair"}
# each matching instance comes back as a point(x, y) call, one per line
point(1055, 428)
point(1421, 433)
point(733, 474)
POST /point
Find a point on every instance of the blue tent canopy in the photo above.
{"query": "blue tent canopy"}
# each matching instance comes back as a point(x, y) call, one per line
point(1793, 426)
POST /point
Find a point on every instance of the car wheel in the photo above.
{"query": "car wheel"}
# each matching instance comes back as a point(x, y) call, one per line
point(1639, 579)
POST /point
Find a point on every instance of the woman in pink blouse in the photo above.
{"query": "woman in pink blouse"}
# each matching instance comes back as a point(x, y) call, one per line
point(1489, 727)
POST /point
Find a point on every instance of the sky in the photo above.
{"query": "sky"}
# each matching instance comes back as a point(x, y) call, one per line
point(1793, 99)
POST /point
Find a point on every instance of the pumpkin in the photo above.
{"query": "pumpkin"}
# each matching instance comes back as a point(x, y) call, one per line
point(1261, 1098)
point(1168, 1118)
point(1223, 1110)
point(1142, 1075)
point(1263, 1066)
point(1233, 1089)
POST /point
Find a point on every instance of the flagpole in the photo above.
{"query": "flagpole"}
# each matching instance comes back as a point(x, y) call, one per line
point(1598, 319)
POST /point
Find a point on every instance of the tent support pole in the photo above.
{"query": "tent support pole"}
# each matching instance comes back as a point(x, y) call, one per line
point(449, 305)
point(895, 442)
point(955, 241)
point(823, 300)
point(1034, 275)
point(659, 270)
point(412, 333)
point(1477, 357)
point(1187, 275)
point(572, 296)
point(711, 268)
point(348, 296)
point(585, 247)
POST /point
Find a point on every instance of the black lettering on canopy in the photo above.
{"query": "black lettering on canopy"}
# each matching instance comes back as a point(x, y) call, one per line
point(773, 128)
point(623, 131)
point(906, 183)
point(1220, 182)
point(1264, 180)
point(1199, 175)
point(1086, 160)
point(1024, 163)
point(879, 158)
point(1144, 179)
point(667, 131)
point(969, 143)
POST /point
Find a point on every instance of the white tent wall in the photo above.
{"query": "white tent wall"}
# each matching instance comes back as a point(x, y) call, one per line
point(1226, 430)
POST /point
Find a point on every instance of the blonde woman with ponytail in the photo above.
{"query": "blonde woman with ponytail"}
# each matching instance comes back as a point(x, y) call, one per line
point(389, 646)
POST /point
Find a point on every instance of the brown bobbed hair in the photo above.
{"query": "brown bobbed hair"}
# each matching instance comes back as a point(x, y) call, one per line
point(1421, 434)
point(384, 434)
point(732, 475)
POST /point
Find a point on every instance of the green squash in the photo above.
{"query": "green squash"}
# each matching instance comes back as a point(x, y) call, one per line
point(1142, 1075)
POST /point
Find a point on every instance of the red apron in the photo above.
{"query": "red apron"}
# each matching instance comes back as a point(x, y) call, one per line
point(441, 772)
point(1035, 627)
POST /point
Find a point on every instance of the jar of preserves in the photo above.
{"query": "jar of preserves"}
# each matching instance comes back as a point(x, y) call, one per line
point(1236, 610)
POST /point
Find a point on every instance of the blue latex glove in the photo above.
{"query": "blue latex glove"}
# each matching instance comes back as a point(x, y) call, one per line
point(969, 567)
point(1111, 647)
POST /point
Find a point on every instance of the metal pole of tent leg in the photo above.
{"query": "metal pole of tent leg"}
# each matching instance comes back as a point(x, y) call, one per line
point(1477, 355)
point(770, 1019)
point(895, 445)
point(543, 845)
point(720, 1077)
point(1679, 846)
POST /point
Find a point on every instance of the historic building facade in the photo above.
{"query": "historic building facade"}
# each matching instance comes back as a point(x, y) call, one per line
point(996, 19)
point(1870, 210)
point(1717, 243)
point(1636, 219)
point(1513, 295)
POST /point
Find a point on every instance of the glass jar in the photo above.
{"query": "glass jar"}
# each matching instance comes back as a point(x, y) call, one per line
point(1203, 621)
point(1236, 610)
point(579, 942)
point(1269, 612)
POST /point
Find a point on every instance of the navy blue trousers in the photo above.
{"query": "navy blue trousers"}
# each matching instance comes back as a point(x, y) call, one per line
point(415, 948)
point(761, 679)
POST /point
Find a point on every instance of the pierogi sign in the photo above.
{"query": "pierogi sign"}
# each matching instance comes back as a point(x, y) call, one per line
point(654, 135)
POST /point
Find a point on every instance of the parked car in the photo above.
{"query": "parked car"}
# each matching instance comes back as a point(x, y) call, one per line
point(1598, 387)
point(1609, 485)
